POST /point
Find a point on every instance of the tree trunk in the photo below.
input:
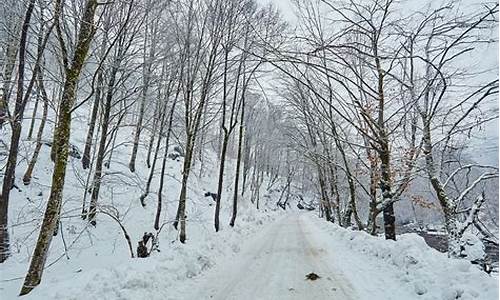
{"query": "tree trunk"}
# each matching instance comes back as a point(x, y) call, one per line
point(146, 75)
point(138, 127)
point(238, 164)
point(385, 158)
point(153, 133)
point(10, 63)
point(10, 168)
point(33, 117)
point(450, 219)
point(97, 98)
point(225, 140)
point(114, 135)
point(35, 108)
point(52, 212)
point(181, 209)
point(92, 123)
point(138, 130)
point(372, 222)
point(351, 207)
point(96, 182)
point(155, 158)
point(246, 164)
point(385, 186)
point(163, 165)
point(87, 188)
point(221, 179)
point(260, 178)
point(38, 147)
point(325, 200)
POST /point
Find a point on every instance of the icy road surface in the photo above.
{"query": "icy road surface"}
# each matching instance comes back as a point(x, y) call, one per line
point(274, 265)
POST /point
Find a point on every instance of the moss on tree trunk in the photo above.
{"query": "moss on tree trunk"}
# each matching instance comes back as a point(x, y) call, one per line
point(51, 217)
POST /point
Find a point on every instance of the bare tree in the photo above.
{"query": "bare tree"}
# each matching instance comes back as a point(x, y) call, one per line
point(125, 35)
point(212, 21)
point(434, 47)
point(16, 123)
point(52, 212)
point(149, 53)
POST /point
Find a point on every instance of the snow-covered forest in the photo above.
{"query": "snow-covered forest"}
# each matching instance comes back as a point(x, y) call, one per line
point(246, 149)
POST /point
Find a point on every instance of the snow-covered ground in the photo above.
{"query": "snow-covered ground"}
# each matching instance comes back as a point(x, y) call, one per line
point(94, 263)
point(156, 277)
point(352, 265)
point(265, 256)
point(405, 269)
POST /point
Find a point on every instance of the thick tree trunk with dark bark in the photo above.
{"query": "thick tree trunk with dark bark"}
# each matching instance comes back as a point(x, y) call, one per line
point(10, 168)
point(385, 158)
point(387, 196)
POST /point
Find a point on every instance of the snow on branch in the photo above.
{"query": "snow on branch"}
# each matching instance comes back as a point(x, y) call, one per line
point(484, 176)
point(469, 166)
point(474, 210)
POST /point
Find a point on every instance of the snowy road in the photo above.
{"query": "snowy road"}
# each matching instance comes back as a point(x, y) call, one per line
point(274, 265)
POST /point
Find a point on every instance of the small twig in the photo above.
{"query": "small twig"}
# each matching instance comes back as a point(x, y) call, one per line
point(63, 240)
point(125, 233)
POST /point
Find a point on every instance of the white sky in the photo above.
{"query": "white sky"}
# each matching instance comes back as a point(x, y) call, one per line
point(285, 6)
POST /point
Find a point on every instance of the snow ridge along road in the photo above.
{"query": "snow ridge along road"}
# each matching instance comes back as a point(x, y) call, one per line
point(274, 265)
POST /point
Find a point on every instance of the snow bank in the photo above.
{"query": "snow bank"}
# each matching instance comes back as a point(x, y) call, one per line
point(431, 274)
point(159, 276)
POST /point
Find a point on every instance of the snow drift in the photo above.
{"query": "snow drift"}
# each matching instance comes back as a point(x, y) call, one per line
point(429, 273)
